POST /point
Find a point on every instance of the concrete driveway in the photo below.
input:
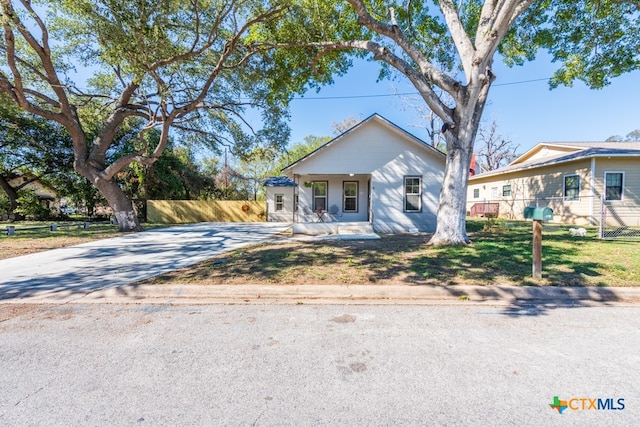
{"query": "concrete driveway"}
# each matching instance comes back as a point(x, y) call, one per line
point(78, 270)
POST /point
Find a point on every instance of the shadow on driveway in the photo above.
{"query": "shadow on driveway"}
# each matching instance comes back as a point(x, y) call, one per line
point(124, 260)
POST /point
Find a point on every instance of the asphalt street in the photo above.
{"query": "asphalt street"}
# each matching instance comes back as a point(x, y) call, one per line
point(301, 365)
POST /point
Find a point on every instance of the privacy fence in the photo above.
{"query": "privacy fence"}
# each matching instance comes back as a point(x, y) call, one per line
point(192, 211)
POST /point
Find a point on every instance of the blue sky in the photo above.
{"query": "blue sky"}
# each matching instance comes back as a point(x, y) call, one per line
point(526, 112)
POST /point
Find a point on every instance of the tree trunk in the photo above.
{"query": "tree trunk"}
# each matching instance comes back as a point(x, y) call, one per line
point(122, 205)
point(452, 210)
point(12, 195)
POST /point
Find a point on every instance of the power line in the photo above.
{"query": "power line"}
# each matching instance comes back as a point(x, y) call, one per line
point(384, 95)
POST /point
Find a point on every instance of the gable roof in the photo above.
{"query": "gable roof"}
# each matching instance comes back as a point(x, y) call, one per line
point(563, 152)
point(374, 117)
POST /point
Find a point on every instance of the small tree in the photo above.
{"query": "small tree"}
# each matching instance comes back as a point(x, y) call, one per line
point(494, 150)
point(30, 206)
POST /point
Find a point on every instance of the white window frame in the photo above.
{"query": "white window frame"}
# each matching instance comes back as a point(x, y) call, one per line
point(279, 204)
point(621, 188)
point(314, 197)
point(504, 187)
point(418, 194)
point(345, 197)
point(564, 187)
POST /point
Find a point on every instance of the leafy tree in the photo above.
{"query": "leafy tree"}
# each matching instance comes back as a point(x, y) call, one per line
point(31, 148)
point(633, 136)
point(186, 66)
point(298, 150)
point(447, 48)
point(30, 207)
point(494, 150)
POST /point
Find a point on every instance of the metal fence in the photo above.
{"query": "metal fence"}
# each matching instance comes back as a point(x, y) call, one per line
point(619, 221)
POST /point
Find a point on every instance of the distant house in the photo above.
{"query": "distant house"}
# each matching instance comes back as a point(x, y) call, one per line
point(374, 172)
point(45, 193)
point(575, 179)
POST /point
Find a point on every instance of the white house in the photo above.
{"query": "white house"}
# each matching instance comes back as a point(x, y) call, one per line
point(374, 172)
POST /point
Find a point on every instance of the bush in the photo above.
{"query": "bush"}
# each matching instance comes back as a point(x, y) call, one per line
point(30, 206)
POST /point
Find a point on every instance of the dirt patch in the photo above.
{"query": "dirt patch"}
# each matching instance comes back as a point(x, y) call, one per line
point(10, 311)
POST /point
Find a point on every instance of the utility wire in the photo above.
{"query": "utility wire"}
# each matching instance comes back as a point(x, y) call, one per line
point(383, 95)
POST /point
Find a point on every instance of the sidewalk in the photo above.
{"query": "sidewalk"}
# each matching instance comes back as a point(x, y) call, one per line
point(341, 294)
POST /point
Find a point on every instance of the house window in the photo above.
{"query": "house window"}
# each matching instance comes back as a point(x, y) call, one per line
point(613, 185)
point(506, 190)
point(279, 202)
point(412, 193)
point(476, 193)
point(320, 195)
point(350, 191)
point(572, 187)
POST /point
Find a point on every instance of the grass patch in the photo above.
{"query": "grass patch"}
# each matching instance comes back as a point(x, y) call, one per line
point(42, 239)
point(499, 255)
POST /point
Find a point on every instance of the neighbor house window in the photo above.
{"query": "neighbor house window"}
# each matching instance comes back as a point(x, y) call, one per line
point(506, 190)
point(412, 193)
point(476, 193)
point(350, 191)
point(320, 195)
point(494, 193)
point(571, 187)
point(613, 185)
point(279, 202)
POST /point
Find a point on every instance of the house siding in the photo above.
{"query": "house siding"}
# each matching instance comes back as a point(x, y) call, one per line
point(625, 212)
point(286, 214)
point(539, 187)
point(379, 156)
point(388, 188)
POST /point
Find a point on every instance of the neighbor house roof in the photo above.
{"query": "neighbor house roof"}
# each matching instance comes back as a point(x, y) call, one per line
point(279, 181)
point(380, 119)
point(562, 152)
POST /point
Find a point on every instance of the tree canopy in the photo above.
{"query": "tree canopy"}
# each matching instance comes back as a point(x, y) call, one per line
point(446, 49)
point(186, 68)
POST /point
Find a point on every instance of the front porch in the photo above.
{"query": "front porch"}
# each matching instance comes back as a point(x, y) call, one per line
point(326, 228)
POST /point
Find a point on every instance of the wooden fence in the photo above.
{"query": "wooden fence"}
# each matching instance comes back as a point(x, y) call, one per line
point(192, 211)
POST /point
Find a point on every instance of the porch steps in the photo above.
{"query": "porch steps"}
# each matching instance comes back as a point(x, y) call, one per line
point(348, 228)
point(362, 228)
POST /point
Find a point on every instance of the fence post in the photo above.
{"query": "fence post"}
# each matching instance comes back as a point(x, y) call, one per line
point(603, 216)
point(53, 227)
point(11, 230)
point(85, 225)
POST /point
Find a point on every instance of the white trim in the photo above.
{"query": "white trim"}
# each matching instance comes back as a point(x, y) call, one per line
point(276, 203)
point(344, 197)
point(419, 193)
point(604, 187)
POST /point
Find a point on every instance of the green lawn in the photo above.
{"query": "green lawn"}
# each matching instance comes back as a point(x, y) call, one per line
point(499, 255)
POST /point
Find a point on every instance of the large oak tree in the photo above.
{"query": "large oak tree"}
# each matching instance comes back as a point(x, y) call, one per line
point(446, 49)
point(180, 66)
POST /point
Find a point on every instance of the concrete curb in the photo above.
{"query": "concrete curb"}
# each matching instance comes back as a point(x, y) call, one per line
point(340, 294)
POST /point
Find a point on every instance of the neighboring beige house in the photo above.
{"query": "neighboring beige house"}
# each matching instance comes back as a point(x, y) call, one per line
point(375, 172)
point(575, 179)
